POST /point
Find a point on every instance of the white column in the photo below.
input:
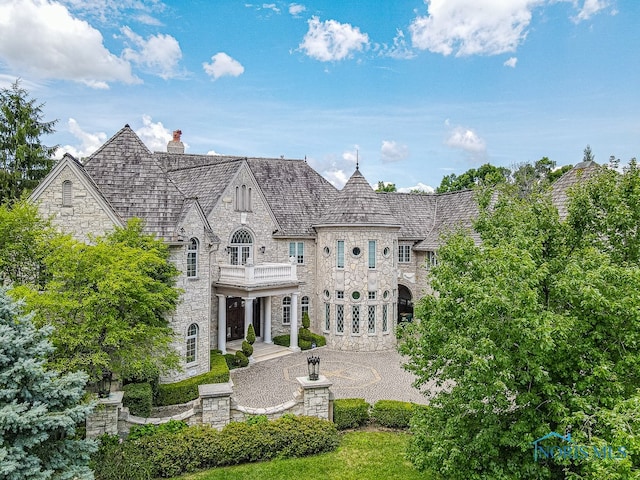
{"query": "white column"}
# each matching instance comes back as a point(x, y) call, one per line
point(293, 344)
point(248, 314)
point(222, 323)
point(266, 332)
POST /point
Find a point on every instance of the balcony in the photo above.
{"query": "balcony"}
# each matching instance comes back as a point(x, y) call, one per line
point(264, 274)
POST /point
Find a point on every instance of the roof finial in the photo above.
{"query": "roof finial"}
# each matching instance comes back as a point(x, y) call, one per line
point(357, 160)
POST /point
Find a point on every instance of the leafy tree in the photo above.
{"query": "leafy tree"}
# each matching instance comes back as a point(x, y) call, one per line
point(25, 239)
point(40, 410)
point(24, 160)
point(537, 329)
point(486, 175)
point(386, 187)
point(109, 303)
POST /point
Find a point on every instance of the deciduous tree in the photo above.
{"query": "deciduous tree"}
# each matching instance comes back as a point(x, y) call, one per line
point(536, 329)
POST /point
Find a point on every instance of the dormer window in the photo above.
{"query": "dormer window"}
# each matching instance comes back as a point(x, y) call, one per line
point(243, 199)
point(67, 193)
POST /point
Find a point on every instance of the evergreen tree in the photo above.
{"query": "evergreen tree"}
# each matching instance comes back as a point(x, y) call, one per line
point(39, 409)
point(24, 160)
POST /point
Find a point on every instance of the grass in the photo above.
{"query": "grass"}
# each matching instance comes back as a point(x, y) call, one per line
point(361, 455)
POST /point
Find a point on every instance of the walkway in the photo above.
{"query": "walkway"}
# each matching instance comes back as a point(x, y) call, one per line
point(370, 375)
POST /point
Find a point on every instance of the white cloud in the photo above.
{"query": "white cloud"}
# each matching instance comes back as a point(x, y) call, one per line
point(399, 50)
point(351, 156)
point(89, 142)
point(422, 187)
point(393, 152)
point(330, 40)
point(271, 6)
point(159, 54)
point(296, 9)
point(45, 40)
point(112, 11)
point(590, 8)
point(154, 135)
point(467, 140)
point(472, 27)
point(511, 62)
point(223, 65)
point(336, 177)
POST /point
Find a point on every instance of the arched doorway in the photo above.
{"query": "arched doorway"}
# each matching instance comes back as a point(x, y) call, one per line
point(405, 304)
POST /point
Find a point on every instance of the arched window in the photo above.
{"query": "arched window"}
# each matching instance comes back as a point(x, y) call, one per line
point(67, 193)
point(241, 247)
point(192, 258)
point(304, 306)
point(192, 343)
point(286, 311)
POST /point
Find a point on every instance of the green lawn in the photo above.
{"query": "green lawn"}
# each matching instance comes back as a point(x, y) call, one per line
point(361, 455)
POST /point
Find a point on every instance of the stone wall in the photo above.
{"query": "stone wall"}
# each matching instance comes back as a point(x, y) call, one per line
point(215, 406)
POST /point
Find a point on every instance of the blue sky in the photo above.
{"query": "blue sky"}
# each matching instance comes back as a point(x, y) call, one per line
point(414, 89)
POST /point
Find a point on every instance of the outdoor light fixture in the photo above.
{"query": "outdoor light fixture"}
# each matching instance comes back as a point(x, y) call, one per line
point(313, 365)
point(262, 249)
point(104, 385)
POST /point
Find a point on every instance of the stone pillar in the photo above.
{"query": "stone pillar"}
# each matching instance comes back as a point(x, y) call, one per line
point(266, 334)
point(104, 418)
point(316, 396)
point(222, 323)
point(248, 313)
point(293, 344)
point(216, 403)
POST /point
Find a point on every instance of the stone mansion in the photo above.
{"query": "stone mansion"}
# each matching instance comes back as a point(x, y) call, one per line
point(261, 241)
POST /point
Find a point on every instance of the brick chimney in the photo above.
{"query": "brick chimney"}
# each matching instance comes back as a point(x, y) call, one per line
point(175, 145)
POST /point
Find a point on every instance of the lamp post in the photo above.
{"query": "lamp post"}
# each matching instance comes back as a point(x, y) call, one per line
point(104, 384)
point(313, 365)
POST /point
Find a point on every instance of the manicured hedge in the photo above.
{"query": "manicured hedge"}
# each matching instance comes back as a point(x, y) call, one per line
point(393, 413)
point(350, 413)
point(139, 398)
point(305, 340)
point(187, 390)
point(167, 454)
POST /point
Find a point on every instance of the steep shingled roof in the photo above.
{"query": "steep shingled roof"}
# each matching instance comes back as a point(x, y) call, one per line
point(581, 172)
point(358, 204)
point(134, 183)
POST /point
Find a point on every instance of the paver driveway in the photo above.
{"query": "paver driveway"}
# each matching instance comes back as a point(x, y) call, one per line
point(370, 375)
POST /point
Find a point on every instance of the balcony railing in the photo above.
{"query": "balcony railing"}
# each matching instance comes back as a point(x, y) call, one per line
point(255, 275)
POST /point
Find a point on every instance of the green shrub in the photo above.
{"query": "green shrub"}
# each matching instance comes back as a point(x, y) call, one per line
point(256, 419)
point(304, 334)
point(139, 431)
point(303, 343)
point(306, 322)
point(231, 360)
point(251, 334)
point(167, 454)
point(243, 361)
point(218, 364)
point(116, 461)
point(187, 390)
point(139, 398)
point(247, 348)
point(350, 413)
point(393, 413)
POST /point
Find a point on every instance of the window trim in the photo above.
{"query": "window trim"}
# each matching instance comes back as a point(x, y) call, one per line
point(340, 254)
point(339, 319)
point(304, 306)
point(67, 193)
point(372, 314)
point(296, 250)
point(404, 253)
point(286, 311)
point(372, 256)
point(355, 319)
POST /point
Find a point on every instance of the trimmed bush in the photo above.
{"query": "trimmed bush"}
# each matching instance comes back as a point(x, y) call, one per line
point(218, 364)
point(139, 398)
point(231, 360)
point(393, 413)
point(168, 454)
point(148, 429)
point(304, 343)
point(251, 334)
point(187, 390)
point(247, 348)
point(350, 413)
point(306, 322)
point(242, 359)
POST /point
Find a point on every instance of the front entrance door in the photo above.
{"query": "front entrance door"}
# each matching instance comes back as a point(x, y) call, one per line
point(235, 318)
